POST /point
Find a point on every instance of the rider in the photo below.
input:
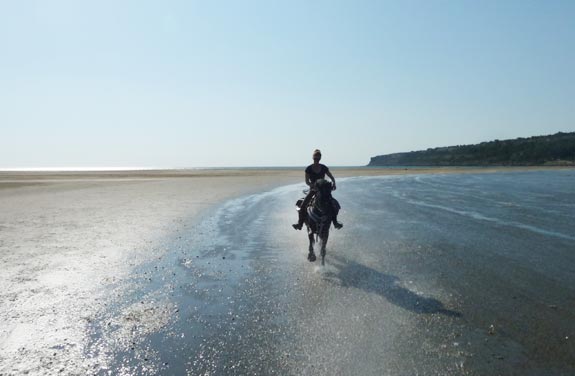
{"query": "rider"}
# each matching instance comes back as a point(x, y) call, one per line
point(313, 173)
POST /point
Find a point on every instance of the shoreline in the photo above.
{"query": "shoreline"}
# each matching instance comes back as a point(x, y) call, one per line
point(13, 176)
point(238, 181)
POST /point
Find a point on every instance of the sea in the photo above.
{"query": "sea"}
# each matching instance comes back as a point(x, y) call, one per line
point(433, 274)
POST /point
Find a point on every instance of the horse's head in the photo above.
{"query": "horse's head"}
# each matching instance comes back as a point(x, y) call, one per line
point(323, 186)
point(323, 193)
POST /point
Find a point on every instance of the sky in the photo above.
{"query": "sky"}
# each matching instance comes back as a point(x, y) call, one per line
point(173, 84)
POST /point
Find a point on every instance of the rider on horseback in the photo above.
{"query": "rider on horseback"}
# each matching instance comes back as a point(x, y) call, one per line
point(313, 173)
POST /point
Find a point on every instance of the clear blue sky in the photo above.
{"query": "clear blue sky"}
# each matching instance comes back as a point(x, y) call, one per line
point(245, 83)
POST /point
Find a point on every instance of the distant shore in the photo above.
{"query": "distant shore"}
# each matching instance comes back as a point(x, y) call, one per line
point(232, 181)
point(279, 172)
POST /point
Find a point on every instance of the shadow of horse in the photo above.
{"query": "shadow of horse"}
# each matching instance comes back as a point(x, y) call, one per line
point(352, 274)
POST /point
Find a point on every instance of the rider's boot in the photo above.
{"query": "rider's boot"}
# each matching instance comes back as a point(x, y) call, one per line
point(299, 224)
point(337, 224)
point(336, 207)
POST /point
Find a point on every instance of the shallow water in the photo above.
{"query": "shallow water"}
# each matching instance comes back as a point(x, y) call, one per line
point(432, 274)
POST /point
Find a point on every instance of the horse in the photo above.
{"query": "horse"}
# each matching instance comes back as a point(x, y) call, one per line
point(320, 213)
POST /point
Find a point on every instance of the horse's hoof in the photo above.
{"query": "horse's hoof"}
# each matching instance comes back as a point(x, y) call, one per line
point(297, 226)
point(338, 225)
point(311, 257)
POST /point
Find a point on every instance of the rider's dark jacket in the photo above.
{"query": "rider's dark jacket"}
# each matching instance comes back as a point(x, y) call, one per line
point(314, 176)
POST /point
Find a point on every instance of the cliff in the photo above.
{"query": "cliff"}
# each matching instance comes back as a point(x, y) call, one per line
point(557, 149)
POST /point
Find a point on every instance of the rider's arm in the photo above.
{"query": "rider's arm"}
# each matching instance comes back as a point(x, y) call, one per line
point(328, 173)
point(307, 179)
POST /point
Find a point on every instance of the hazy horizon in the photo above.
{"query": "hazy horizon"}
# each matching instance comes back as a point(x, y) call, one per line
point(253, 84)
point(140, 168)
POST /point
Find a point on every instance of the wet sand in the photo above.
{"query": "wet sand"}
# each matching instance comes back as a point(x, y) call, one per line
point(70, 242)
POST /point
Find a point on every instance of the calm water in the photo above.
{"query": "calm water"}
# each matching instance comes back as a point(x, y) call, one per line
point(431, 274)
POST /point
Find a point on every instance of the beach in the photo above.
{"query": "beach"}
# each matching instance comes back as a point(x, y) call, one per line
point(68, 238)
point(76, 249)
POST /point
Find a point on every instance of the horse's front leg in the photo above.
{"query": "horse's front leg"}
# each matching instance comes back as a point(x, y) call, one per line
point(311, 254)
point(324, 238)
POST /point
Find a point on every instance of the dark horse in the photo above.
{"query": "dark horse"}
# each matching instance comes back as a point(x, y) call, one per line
point(318, 218)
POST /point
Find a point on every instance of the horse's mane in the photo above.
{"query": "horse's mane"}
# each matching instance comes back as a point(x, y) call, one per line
point(323, 195)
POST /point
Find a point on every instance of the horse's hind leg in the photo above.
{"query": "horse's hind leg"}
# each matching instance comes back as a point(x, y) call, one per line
point(311, 255)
